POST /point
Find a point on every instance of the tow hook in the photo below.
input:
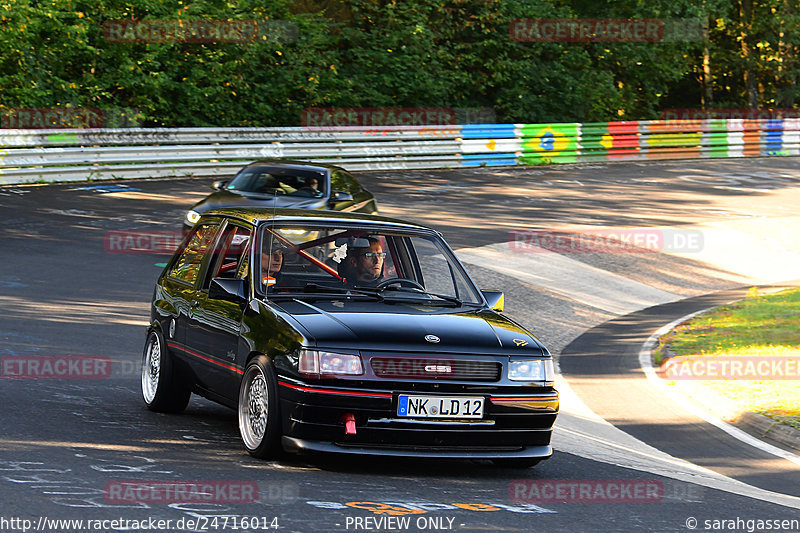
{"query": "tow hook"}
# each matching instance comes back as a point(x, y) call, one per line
point(349, 424)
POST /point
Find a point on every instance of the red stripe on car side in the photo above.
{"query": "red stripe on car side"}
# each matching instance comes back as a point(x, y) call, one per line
point(203, 357)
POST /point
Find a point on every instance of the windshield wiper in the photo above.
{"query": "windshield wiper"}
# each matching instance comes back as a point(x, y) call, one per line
point(314, 290)
point(417, 292)
point(447, 297)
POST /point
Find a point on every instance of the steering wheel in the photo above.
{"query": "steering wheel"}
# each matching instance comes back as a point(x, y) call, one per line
point(403, 282)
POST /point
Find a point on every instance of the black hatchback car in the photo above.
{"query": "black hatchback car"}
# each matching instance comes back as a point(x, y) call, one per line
point(287, 184)
point(345, 333)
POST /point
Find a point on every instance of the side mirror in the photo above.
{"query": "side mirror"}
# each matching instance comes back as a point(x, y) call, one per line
point(495, 299)
point(230, 290)
point(219, 184)
point(341, 196)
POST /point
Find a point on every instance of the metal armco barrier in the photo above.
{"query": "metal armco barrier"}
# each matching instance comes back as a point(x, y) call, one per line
point(71, 155)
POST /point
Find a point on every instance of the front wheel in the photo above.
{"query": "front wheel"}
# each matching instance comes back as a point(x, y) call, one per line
point(259, 423)
point(160, 388)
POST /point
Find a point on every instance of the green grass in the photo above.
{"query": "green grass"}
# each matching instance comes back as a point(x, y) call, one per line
point(759, 326)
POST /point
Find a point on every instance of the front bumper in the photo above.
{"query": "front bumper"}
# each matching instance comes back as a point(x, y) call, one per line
point(516, 423)
point(295, 445)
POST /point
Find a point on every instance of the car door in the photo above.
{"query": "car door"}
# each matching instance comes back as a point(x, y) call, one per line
point(213, 327)
point(178, 290)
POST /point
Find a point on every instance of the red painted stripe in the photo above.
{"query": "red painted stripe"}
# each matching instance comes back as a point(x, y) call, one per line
point(209, 359)
point(320, 264)
point(331, 391)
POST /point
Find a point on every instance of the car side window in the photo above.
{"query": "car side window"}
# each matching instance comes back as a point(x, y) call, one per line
point(187, 267)
point(342, 181)
point(227, 257)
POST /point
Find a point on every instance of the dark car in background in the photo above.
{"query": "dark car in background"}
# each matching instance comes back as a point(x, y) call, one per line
point(345, 333)
point(287, 184)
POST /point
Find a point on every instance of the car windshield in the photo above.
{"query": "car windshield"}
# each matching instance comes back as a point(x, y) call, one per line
point(271, 181)
point(387, 265)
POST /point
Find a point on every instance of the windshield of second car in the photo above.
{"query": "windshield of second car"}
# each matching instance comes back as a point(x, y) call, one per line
point(279, 181)
point(388, 265)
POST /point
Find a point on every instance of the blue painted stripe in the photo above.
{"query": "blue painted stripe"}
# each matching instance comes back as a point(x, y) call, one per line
point(488, 131)
point(105, 188)
point(773, 136)
point(476, 160)
point(774, 124)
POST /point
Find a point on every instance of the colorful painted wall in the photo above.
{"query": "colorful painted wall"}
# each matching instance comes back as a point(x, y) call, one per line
point(538, 144)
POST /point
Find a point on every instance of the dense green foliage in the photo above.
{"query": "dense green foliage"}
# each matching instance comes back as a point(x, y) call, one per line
point(402, 53)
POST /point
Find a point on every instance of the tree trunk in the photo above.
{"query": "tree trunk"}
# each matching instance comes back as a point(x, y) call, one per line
point(746, 18)
point(786, 78)
point(707, 99)
point(708, 88)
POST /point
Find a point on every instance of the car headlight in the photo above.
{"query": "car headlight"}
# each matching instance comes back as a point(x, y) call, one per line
point(192, 217)
point(531, 370)
point(315, 363)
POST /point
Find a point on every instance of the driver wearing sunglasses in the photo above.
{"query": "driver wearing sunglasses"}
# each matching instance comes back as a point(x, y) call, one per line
point(367, 263)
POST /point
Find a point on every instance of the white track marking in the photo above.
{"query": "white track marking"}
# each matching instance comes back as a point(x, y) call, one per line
point(576, 280)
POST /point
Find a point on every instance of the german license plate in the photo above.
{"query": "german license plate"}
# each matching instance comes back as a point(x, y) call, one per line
point(413, 406)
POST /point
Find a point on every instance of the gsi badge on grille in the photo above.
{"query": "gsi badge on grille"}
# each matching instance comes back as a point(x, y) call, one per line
point(435, 368)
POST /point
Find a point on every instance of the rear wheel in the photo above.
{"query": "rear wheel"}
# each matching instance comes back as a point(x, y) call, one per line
point(160, 388)
point(259, 423)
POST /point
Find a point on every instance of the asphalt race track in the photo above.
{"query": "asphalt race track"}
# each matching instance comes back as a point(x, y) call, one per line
point(611, 351)
point(68, 288)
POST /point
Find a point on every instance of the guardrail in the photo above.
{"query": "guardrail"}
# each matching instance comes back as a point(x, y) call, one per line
point(71, 155)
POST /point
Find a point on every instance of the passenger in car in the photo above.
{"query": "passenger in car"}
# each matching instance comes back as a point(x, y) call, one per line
point(271, 263)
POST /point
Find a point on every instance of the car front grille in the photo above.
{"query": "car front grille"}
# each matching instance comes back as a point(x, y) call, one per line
point(437, 369)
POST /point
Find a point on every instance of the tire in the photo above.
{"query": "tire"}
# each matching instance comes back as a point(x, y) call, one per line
point(259, 420)
point(160, 388)
point(522, 462)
